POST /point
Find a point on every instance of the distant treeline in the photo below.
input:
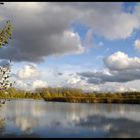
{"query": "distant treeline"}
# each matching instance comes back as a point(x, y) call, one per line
point(72, 95)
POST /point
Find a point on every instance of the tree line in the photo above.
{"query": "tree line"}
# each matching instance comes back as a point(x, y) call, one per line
point(72, 95)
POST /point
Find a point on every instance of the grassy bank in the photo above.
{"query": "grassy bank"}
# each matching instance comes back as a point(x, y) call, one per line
point(72, 95)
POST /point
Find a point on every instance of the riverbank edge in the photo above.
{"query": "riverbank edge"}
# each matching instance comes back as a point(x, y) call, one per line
point(88, 101)
point(71, 95)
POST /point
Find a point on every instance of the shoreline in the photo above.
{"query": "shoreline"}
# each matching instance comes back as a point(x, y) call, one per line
point(74, 101)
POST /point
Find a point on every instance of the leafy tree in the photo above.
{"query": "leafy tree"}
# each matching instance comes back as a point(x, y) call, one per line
point(5, 34)
point(4, 77)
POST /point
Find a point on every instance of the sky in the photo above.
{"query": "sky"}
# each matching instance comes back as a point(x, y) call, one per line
point(94, 46)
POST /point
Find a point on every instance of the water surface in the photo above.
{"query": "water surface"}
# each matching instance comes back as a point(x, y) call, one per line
point(29, 118)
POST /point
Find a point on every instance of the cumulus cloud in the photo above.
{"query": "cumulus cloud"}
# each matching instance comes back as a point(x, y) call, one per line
point(44, 29)
point(113, 76)
point(21, 84)
point(40, 30)
point(137, 44)
point(121, 61)
point(120, 68)
point(74, 80)
point(115, 87)
point(39, 84)
point(97, 80)
point(77, 81)
point(29, 77)
point(92, 84)
point(28, 71)
point(109, 20)
point(30, 85)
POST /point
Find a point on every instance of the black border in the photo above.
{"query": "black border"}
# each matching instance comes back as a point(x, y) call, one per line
point(71, 1)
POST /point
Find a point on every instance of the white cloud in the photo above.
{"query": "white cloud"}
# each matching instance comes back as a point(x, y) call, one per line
point(39, 84)
point(105, 19)
point(77, 82)
point(103, 80)
point(122, 73)
point(74, 80)
point(100, 77)
point(28, 71)
point(21, 84)
point(38, 35)
point(70, 41)
point(121, 61)
point(115, 87)
point(110, 21)
point(84, 84)
point(29, 85)
point(137, 44)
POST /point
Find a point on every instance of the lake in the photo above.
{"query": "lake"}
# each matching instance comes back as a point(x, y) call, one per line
point(30, 118)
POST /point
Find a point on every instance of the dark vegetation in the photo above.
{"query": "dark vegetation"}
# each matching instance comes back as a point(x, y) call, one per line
point(72, 95)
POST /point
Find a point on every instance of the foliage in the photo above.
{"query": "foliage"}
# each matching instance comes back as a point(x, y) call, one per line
point(4, 77)
point(72, 95)
point(5, 34)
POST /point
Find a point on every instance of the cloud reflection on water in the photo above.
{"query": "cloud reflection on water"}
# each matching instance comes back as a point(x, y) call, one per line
point(46, 119)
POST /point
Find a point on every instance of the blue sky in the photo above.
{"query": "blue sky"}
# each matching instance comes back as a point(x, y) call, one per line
point(108, 47)
point(85, 42)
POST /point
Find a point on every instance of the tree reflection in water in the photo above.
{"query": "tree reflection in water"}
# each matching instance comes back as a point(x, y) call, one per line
point(28, 118)
point(2, 123)
point(120, 127)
